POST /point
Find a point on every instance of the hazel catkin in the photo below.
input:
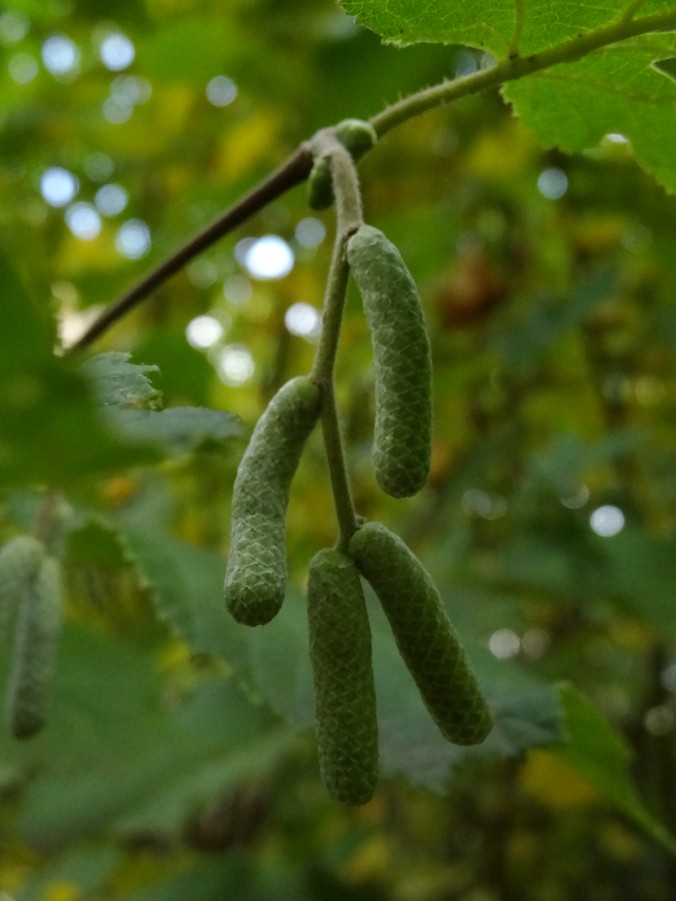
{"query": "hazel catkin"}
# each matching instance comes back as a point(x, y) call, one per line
point(34, 653)
point(255, 580)
point(345, 703)
point(403, 371)
point(427, 641)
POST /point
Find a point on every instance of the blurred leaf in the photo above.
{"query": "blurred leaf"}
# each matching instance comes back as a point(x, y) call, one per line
point(131, 762)
point(187, 48)
point(550, 319)
point(119, 383)
point(642, 568)
point(525, 714)
point(125, 387)
point(50, 428)
point(187, 586)
point(596, 751)
point(180, 430)
point(279, 662)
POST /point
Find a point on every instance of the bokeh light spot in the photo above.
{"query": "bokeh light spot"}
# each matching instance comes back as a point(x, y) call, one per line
point(310, 232)
point(116, 52)
point(504, 643)
point(58, 186)
point(60, 55)
point(237, 289)
point(84, 221)
point(303, 319)
point(269, 258)
point(133, 239)
point(23, 68)
point(203, 332)
point(553, 183)
point(234, 364)
point(111, 199)
point(607, 520)
point(221, 91)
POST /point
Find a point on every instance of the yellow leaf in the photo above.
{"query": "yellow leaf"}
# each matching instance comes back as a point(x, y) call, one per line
point(554, 783)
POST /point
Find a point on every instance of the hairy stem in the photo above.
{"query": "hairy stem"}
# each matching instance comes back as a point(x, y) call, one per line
point(518, 67)
point(297, 168)
point(348, 218)
point(292, 172)
point(344, 177)
point(322, 372)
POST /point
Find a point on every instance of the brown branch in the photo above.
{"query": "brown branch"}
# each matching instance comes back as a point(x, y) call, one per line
point(292, 172)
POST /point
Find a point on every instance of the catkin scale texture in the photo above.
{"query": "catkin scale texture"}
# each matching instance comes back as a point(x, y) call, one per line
point(255, 579)
point(403, 370)
point(34, 656)
point(345, 703)
point(426, 639)
point(20, 561)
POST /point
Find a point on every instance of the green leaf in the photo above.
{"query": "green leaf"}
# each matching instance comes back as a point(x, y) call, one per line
point(402, 22)
point(190, 49)
point(134, 762)
point(125, 389)
point(187, 587)
point(597, 752)
point(618, 90)
point(642, 568)
point(50, 427)
point(624, 88)
point(119, 383)
point(526, 714)
point(180, 430)
point(500, 27)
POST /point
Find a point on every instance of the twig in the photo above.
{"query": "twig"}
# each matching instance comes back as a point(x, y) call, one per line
point(292, 172)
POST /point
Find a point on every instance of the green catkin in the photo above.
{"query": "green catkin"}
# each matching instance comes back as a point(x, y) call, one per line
point(357, 136)
point(345, 703)
point(403, 370)
point(20, 561)
point(255, 580)
point(425, 637)
point(35, 647)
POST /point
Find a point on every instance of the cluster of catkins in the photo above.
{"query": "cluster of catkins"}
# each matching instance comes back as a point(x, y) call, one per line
point(340, 637)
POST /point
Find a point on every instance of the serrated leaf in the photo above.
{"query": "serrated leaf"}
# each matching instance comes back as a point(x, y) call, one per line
point(51, 430)
point(402, 22)
point(625, 88)
point(125, 389)
point(186, 582)
point(132, 761)
point(615, 90)
point(179, 430)
point(119, 383)
point(497, 27)
point(597, 752)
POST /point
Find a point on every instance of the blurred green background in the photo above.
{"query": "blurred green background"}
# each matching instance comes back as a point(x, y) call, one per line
point(179, 759)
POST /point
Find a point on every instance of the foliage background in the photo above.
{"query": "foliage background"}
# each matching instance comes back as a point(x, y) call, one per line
point(179, 759)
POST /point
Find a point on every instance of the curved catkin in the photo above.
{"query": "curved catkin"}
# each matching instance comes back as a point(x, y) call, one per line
point(255, 579)
point(20, 561)
point(425, 637)
point(34, 655)
point(345, 703)
point(403, 369)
